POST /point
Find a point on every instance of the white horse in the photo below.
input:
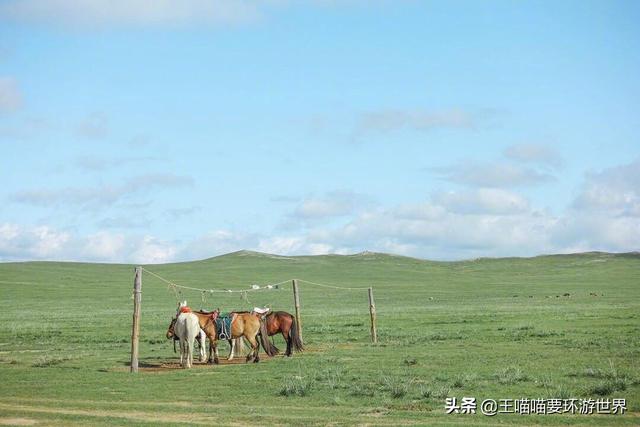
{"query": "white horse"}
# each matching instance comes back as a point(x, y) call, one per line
point(187, 328)
point(201, 339)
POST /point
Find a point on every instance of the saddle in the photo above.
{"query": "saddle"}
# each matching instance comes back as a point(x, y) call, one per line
point(261, 310)
point(223, 325)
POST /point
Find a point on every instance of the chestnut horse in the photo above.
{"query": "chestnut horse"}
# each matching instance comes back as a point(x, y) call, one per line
point(245, 325)
point(284, 323)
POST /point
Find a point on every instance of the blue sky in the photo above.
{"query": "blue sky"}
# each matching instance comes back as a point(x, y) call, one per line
point(136, 131)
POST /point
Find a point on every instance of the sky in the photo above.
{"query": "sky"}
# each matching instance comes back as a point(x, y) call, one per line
point(141, 131)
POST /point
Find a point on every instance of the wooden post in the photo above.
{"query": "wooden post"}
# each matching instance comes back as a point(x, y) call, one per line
point(372, 312)
point(296, 301)
point(135, 332)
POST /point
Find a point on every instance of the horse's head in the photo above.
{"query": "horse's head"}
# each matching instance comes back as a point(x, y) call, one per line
point(182, 308)
point(170, 332)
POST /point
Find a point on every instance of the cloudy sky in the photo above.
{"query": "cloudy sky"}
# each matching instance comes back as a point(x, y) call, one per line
point(150, 131)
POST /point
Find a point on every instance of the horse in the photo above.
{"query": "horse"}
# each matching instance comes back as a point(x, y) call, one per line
point(200, 339)
point(280, 322)
point(285, 323)
point(245, 325)
point(186, 327)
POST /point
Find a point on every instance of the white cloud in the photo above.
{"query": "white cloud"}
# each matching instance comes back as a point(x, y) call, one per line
point(615, 191)
point(99, 164)
point(92, 197)
point(215, 243)
point(333, 204)
point(483, 201)
point(393, 120)
point(19, 243)
point(450, 225)
point(10, 95)
point(494, 174)
point(589, 231)
point(606, 213)
point(39, 242)
point(104, 246)
point(534, 153)
point(92, 14)
point(151, 250)
point(291, 245)
point(444, 235)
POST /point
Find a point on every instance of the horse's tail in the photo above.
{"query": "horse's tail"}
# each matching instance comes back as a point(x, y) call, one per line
point(296, 340)
point(276, 349)
point(264, 340)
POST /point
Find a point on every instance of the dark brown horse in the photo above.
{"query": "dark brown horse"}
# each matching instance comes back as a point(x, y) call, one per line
point(284, 323)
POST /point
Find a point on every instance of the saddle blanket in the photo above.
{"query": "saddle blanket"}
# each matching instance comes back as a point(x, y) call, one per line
point(223, 326)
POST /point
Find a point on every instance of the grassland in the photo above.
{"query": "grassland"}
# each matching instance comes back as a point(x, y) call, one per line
point(545, 327)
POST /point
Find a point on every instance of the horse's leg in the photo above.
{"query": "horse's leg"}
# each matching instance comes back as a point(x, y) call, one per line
point(288, 339)
point(215, 353)
point(189, 344)
point(255, 348)
point(192, 347)
point(202, 339)
point(232, 349)
point(182, 344)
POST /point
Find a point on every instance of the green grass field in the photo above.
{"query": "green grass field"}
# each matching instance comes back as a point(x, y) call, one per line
point(488, 328)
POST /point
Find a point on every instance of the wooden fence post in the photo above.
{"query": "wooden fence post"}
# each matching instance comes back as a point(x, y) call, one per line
point(135, 332)
point(372, 312)
point(296, 301)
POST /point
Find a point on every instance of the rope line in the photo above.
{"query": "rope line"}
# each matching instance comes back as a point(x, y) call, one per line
point(174, 287)
point(253, 288)
point(331, 286)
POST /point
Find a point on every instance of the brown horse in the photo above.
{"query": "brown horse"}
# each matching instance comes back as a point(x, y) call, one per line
point(278, 322)
point(285, 323)
point(245, 325)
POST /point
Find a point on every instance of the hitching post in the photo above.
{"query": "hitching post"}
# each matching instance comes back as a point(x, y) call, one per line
point(296, 300)
point(372, 312)
point(135, 332)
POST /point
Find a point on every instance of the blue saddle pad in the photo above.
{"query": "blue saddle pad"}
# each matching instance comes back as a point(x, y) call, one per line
point(223, 328)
